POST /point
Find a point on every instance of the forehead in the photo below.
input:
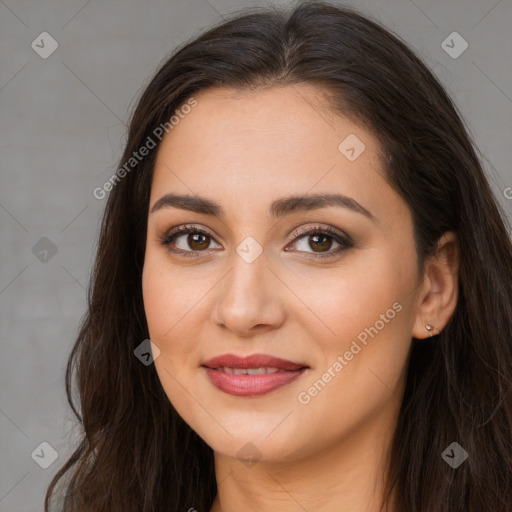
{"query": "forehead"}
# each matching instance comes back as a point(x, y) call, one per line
point(248, 146)
point(278, 123)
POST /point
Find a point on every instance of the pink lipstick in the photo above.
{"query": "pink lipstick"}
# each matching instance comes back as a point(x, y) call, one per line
point(254, 375)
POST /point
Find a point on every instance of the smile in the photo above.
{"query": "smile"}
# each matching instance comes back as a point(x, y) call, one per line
point(254, 375)
point(247, 371)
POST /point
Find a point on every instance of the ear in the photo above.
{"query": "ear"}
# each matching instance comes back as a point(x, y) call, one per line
point(439, 290)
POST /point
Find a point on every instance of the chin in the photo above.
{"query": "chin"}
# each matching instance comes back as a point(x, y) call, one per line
point(248, 438)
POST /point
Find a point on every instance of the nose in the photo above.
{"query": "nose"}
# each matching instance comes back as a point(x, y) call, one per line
point(249, 299)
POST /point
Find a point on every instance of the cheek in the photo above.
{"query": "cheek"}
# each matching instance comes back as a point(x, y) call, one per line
point(165, 309)
point(176, 313)
point(362, 368)
point(169, 328)
point(156, 302)
point(167, 296)
point(353, 297)
point(369, 315)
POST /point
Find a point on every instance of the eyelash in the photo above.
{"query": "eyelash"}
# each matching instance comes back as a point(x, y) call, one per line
point(344, 241)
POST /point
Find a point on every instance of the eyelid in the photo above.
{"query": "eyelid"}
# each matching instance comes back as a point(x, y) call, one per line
point(343, 239)
point(181, 230)
point(299, 232)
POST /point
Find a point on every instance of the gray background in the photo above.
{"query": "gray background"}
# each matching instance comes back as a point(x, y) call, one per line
point(62, 132)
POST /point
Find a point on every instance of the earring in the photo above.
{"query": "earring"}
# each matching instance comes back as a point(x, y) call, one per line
point(429, 329)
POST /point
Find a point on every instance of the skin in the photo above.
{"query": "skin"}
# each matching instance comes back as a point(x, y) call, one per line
point(244, 150)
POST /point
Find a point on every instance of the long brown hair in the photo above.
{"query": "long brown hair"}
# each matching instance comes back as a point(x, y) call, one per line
point(135, 452)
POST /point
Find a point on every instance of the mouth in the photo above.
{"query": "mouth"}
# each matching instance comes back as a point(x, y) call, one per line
point(254, 375)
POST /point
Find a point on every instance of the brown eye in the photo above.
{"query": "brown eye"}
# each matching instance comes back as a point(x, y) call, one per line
point(320, 240)
point(190, 241)
point(197, 241)
point(187, 240)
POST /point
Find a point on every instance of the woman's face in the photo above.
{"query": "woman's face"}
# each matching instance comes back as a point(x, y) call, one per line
point(267, 279)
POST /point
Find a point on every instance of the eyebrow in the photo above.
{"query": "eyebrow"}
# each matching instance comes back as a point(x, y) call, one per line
point(279, 208)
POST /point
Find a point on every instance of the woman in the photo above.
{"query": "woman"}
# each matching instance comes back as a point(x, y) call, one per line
point(301, 298)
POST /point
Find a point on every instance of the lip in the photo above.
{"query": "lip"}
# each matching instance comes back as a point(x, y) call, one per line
point(251, 385)
point(252, 361)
